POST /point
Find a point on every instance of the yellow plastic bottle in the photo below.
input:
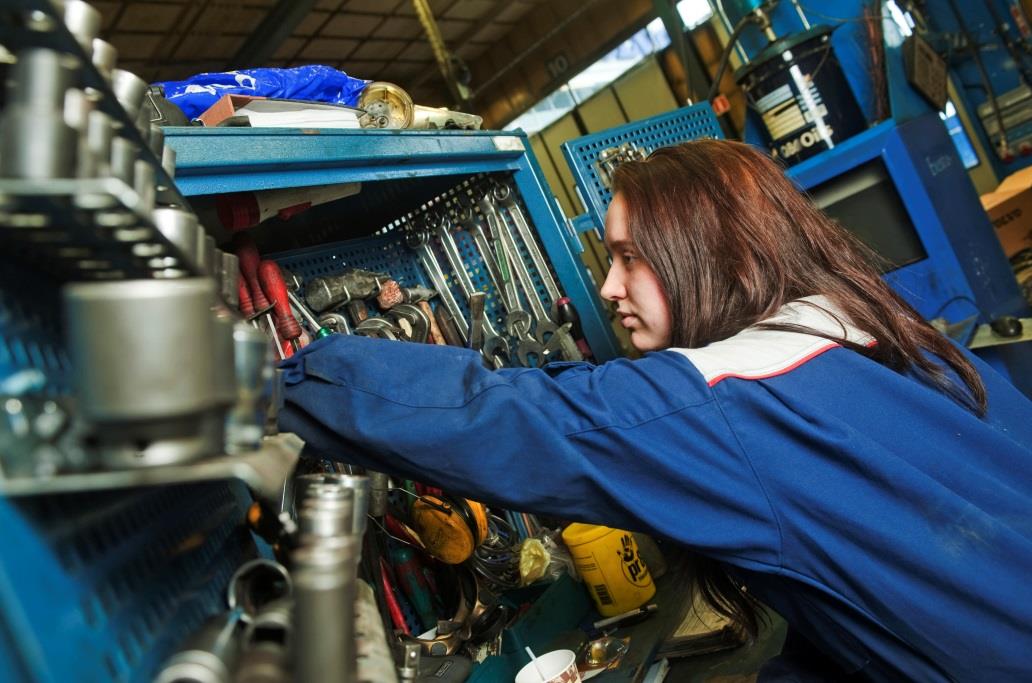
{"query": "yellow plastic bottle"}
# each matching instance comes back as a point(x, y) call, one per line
point(607, 561)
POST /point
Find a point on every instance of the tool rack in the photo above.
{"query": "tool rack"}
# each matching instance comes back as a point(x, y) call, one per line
point(405, 175)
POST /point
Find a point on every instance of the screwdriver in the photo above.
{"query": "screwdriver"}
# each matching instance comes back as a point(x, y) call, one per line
point(568, 314)
point(320, 331)
point(271, 282)
point(247, 253)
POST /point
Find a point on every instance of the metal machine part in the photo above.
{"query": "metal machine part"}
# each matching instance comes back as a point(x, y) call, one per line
point(611, 157)
point(413, 321)
point(324, 590)
point(230, 277)
point(35, 140)
point(209, 655)
point(130, 91)
point(252, 363)
point(143, 368)
point(386, 106)
point(379, 487)
point(335, 322)
point(326, 511)
point(256, 585)
point(307, 484)
point(83, 22)
point(179, 226)
point(104, 56)
point(268, 641)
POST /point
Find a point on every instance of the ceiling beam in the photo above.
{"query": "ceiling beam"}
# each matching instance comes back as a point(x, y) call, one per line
point(276, 27)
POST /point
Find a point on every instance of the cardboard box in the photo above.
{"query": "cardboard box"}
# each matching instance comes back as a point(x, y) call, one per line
point(1010, 210)
point(225, 107)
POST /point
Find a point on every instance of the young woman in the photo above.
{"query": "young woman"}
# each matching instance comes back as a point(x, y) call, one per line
point(793, 421)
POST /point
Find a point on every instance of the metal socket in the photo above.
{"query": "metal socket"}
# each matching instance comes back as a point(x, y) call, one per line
point(230, 279)
point(252, 361)
point(308, 484)
point(124, 153)
point(83, 22)
point(36, 144)
point(136, 348)
point(324, 594)
point(143, 183)
point(168, 161)
point(224, 324)
point(105, 56)
point(179, 226)
point(210, 655)
point(41, 77)
point(130, 91)
point(258, 584)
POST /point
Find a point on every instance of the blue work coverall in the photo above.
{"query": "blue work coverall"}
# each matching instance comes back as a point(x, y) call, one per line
point(887, 523)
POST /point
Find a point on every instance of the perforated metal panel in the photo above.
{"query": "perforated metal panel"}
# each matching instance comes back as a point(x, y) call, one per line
point(687, 123)
point(387, 251)
point(108, 584)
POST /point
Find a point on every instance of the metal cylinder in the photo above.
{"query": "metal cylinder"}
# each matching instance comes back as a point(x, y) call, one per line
point(36, 144)
point(41, 77)
point(252, 361)
point(267, 645)
point(207, 656)
point(157, 139)
point(124, 153)
point(230, 278)
point(142, 367)
point(130, 91)
point(256, 585)
point(100, 132)
point(209, 256)
point(224, 325)
point(168, 161)
point(143, 183)
point(324, 593)
point(326, 515)
point(378, 489)
point(83, 22)
point(359, 485)
point(105, 56)
point(179, 226)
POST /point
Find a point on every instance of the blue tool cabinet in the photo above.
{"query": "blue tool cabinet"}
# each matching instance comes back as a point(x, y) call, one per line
point(403, 173)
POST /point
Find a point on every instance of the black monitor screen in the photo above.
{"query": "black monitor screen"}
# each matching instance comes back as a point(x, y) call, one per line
point(865, 202)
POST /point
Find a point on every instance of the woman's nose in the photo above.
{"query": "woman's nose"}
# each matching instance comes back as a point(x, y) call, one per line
point(612, 289)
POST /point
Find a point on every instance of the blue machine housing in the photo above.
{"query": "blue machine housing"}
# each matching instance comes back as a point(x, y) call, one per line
point(965, 273)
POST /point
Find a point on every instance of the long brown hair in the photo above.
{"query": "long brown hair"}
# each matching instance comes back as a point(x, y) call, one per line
point(732, 241)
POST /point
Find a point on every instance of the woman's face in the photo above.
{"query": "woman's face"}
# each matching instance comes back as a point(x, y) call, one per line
point(640, 300)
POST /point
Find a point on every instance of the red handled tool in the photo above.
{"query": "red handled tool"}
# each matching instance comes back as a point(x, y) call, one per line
point(568, 314)
point(271, 281)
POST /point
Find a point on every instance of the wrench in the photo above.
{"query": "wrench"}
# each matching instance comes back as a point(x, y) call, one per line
point(416, 319)
point(543, 327)
point(517, 320)
point(493, 343)
point(419, 241)
point(503, 194)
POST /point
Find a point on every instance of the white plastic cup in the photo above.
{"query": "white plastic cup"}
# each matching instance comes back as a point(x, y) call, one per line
point(557, 666)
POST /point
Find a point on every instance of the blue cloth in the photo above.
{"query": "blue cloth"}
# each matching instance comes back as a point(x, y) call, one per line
point(314, 82)
point(889, 525)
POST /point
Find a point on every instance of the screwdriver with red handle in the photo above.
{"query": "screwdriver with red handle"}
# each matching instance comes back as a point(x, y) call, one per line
point(247, 253)
point(271, 281)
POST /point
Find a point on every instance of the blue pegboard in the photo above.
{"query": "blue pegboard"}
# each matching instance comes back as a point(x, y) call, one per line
point(687, 123)
point(103, 586)
point(386, 252)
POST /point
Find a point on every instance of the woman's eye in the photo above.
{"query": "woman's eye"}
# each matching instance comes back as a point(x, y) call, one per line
point(629, 258)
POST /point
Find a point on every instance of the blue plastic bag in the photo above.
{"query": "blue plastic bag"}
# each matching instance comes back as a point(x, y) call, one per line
point(315, 83)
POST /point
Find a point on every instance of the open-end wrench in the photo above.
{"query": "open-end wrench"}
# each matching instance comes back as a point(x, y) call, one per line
point(529, 352)
point(544, 327)
point(419, 241)
point(493, 343)
point(504, 195)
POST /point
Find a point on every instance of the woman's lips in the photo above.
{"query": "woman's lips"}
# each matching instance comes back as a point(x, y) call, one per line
point(628, 320)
